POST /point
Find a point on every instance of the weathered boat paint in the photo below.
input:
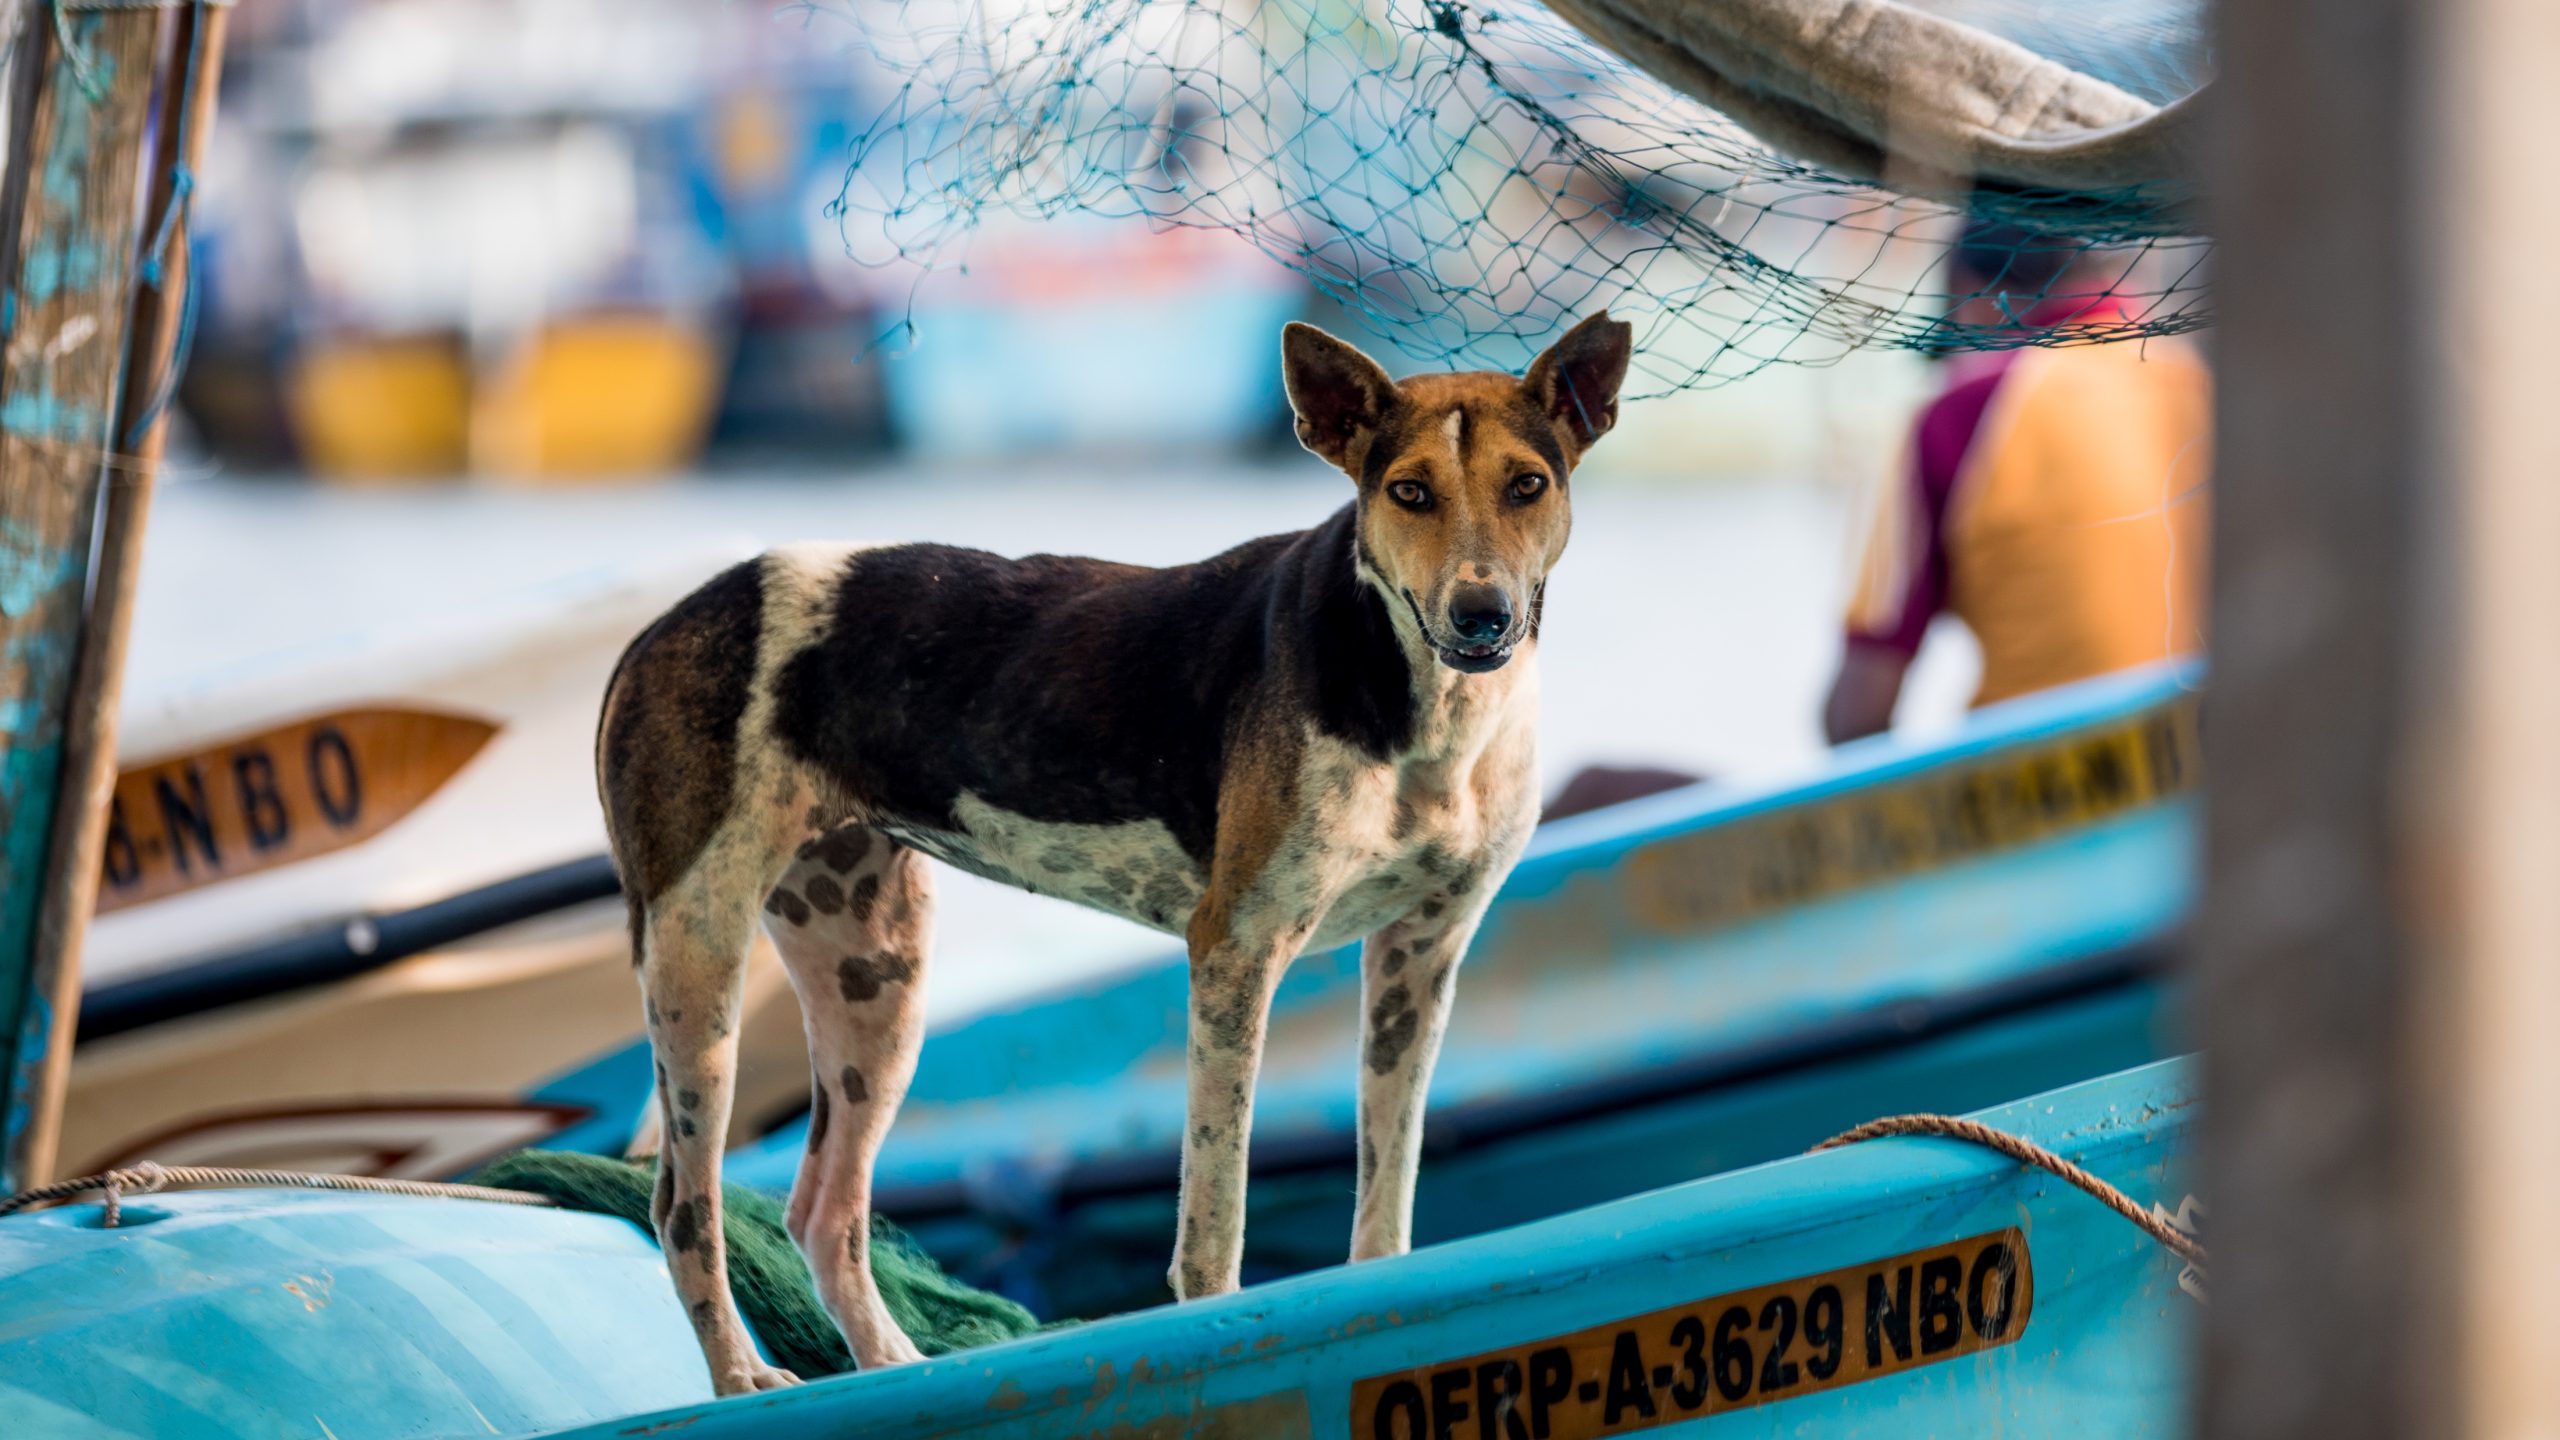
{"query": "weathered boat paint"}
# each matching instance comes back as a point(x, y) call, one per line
point(365, 1317)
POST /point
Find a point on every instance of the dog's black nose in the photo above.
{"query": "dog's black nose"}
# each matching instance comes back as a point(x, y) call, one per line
point(1481, 614)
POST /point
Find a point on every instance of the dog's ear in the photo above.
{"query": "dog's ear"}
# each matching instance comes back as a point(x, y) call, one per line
point(1341, 396)
point(1577, 380)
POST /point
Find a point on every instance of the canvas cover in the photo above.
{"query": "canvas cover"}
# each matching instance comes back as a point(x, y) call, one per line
point(1889, 92)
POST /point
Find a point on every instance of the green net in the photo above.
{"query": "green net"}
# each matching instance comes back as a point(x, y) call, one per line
point(766, 1272)
point(1466, 178)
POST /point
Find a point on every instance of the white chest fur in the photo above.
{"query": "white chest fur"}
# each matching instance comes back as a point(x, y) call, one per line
point(1383, 841)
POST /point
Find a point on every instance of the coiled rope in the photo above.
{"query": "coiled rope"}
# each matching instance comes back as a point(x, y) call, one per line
point(149, 1177)
point(2027, 1152)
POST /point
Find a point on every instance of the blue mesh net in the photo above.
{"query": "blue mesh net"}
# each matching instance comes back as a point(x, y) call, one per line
point(1467, 178)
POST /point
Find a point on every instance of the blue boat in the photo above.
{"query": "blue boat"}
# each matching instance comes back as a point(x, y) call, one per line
point(1669, 988)
point(1900, 1288)
point(1675, 988)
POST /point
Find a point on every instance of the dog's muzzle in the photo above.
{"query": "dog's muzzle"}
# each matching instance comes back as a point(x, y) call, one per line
point(1484, 628)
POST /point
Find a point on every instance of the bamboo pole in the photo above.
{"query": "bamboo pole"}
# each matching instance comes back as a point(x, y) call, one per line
point(97, 682)
point(68, 304)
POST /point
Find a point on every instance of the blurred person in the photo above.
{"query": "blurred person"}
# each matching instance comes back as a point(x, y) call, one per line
point(2050, 498)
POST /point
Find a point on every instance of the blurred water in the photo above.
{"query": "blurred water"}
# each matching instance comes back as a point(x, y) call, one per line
point(1689, 625)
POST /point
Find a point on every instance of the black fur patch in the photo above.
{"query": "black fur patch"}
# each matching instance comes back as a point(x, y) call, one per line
point(667, 755)
point(787, 905)
point(860, 977)
point(684, 1228)
point(819, 1105)
point(823, 894)
point(1393, 1024)
point(1084, 692)
point(856, 1089)
point(841, 849)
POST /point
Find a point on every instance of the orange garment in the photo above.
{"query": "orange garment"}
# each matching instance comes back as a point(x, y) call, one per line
point(2071, 540)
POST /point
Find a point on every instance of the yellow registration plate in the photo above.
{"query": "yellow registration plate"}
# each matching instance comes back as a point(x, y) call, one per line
point(1797, 1337)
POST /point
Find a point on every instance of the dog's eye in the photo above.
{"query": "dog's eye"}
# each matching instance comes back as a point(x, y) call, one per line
point(1410, 494)
point(1529, 486)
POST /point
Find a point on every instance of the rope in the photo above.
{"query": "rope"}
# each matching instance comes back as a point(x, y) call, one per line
point(155, 259)
point(140, 4)
point(78, 59)
point(149, 1177)
point(2028, 1153)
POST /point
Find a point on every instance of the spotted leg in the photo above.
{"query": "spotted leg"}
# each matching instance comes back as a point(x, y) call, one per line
point(1408, 977)
point(692, 965)
point(1231, 985)
point(853, 920)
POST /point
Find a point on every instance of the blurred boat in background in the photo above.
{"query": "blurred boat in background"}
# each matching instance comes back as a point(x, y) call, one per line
point(355, 915)
point(554, 240)
point(1120, 339)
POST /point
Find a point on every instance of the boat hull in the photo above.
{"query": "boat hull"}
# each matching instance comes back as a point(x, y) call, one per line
point(1966, 1296)
point(367, 1317)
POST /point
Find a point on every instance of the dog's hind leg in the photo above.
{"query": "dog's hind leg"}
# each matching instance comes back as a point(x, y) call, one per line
point(853, 920)
point(693, 962)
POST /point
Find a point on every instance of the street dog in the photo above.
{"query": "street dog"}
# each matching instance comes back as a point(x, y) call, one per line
point(1310, 739)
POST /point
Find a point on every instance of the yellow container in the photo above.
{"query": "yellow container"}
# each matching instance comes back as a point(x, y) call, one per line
point(584, 397)
point(368, 408)
point(598, 396)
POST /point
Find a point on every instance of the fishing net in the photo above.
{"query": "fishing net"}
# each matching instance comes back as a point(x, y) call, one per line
point(1463, 179)
point(766, 1273)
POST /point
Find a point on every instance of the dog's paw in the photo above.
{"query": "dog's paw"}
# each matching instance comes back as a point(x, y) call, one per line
point(893, 1348)
point(755, 1378)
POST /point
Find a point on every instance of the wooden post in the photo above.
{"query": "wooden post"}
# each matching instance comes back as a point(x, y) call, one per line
point(89, 739)
point(2379, 953)
point(68, 303)
point(2492, 916)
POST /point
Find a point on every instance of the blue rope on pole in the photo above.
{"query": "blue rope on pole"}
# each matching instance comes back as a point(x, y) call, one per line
point(155, 266)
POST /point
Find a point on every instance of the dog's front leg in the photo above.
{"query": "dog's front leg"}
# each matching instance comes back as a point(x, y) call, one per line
point(1231, 985)
point(1408, 979)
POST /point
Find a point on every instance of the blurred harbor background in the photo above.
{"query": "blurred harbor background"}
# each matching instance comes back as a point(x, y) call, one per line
point(500, 293)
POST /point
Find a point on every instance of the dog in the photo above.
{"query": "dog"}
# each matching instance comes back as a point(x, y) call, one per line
point(1309, 739)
